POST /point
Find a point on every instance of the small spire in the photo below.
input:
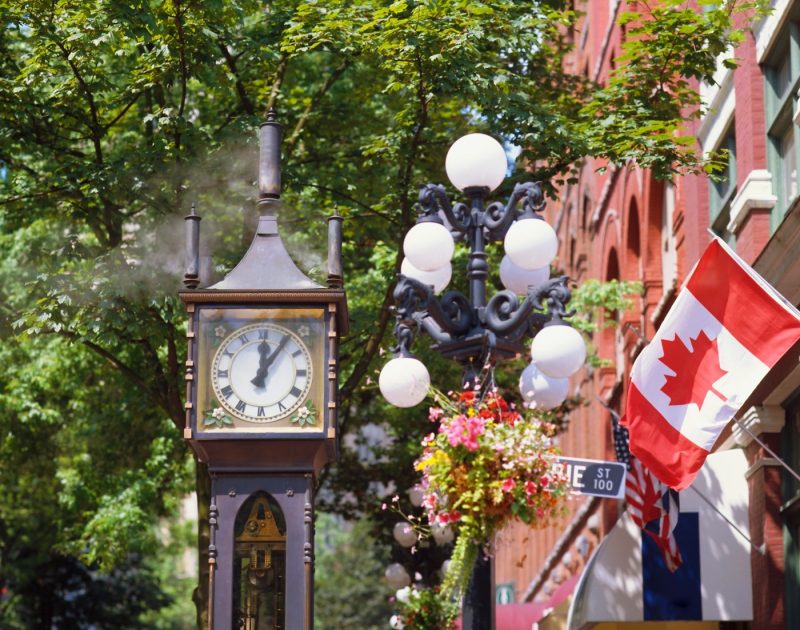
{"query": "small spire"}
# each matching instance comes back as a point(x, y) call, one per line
point(191, 277)
point(269, 166)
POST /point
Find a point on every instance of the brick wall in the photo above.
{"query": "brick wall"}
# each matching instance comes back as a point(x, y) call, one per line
point(765, 528)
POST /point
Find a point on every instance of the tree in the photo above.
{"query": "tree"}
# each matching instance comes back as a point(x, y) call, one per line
point(348, 588)
point(114, 117)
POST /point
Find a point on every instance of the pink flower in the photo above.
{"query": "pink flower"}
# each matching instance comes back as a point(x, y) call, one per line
point(465, 431)
point(434, 414)
point(544, 481)
point(530, 487)
point(508, 485)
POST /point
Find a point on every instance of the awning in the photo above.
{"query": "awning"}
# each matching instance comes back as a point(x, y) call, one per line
point(626, 580)
point(524, 616)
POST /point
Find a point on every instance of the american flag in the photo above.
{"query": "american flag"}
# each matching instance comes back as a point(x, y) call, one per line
point(649, 500)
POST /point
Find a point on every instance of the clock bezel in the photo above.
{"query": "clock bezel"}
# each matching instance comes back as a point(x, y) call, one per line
point(325, 374)
point(261, 418)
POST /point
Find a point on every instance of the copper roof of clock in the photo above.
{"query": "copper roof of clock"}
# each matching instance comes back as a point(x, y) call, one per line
point(266, 265)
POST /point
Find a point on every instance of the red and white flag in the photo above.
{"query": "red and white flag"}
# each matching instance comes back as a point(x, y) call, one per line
point(726, 330)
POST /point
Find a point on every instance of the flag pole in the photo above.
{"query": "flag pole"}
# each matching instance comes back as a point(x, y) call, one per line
point(762, 548)
point(744, 428)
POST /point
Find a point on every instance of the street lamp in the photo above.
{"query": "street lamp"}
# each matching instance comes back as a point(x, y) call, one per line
point(474, 330)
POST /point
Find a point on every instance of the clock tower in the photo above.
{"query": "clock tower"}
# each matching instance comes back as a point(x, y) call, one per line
point(261, 410)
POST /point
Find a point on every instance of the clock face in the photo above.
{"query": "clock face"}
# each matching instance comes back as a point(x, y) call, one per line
point(261, 372)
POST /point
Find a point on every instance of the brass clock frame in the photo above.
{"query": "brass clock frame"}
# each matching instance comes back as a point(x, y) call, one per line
point(208, 441)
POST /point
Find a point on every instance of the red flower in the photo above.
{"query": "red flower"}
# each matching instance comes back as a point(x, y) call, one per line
point(467, 396)
point(508, 485)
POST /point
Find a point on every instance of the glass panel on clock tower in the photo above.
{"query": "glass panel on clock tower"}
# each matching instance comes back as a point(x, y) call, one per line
point(261, 369)
point(259, 569)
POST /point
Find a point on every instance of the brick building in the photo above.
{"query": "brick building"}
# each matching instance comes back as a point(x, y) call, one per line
point(623, 223)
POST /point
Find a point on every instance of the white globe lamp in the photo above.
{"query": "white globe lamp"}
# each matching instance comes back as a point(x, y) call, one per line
point(415, 496)
point(404, 534)
point(558, 350)
point(403, 594)
point(397, 576)
point(438, 278)
point(442, 534)
point(518, 280)
point(428, 246)
point(531, 243)
point(540, 391)
point(476, 160)
point(404, 381)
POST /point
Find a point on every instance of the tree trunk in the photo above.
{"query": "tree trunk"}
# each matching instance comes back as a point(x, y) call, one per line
point(201, 594)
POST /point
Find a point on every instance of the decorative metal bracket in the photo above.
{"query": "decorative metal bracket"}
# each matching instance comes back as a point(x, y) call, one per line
point(470, 329)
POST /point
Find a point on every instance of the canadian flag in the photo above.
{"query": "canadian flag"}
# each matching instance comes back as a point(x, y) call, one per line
point(727, 328)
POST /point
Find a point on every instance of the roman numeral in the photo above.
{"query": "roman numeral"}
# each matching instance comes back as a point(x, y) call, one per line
point(263, 333)
point(241, 406)
point(261, 413)
point(280, 406)
point(295, 392)
point(228, 352)
point(222, 373)
point(244, 338)
point(297, 353)
point(227, 391)
point(301, 372)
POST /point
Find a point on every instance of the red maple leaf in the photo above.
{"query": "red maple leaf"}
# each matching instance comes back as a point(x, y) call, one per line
point(696, 370)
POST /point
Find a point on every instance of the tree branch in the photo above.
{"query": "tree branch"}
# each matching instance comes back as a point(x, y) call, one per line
point(277, 82)
point(122, 113)
point(347, 197)
point(94, 127)
point(323, 89)
point(113, 360)
point(241, 91)
point(181, 57)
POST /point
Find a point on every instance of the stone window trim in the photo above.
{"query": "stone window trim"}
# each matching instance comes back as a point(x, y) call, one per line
point(756, 193)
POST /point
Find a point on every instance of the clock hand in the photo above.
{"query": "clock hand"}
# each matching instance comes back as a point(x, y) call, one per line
point(266, 359)
point(261, 374)
point(271, 358)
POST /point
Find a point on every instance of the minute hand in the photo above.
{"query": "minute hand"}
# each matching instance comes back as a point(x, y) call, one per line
point(271, 358)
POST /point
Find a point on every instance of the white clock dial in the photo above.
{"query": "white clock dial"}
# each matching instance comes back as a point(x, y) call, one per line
point(261, 372)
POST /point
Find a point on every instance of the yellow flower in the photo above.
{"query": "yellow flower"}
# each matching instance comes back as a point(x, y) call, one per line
point(434, 459)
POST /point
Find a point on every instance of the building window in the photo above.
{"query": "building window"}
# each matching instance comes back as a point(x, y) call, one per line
point(722, 188)
point(669, 254)
point(788, 163)
point(782, 72)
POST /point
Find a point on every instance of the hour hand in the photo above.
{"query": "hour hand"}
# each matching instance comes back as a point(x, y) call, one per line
point(266, 359)
point(263, 365)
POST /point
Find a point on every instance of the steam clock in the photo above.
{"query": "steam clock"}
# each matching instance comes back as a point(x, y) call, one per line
point(261, 391)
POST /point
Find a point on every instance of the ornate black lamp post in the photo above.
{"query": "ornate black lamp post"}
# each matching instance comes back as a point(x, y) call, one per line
point(477, 330)
point(261, 411)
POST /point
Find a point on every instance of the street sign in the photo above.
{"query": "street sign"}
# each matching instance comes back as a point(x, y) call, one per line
point(594, 477)
point(504, 593)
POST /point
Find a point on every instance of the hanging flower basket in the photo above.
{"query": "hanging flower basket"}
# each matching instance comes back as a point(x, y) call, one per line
point(485, 465)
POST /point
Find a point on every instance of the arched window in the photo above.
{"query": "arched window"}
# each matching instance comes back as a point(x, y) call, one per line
point(259, 570)
point(633, 243)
